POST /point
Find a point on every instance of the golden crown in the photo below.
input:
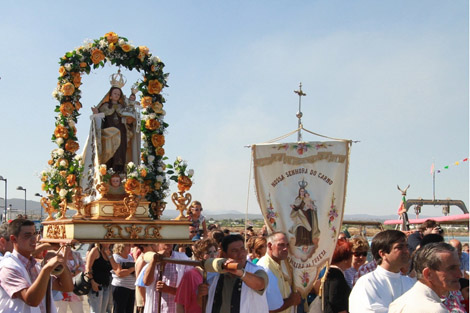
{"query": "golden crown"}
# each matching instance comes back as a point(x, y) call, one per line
point(117, 80)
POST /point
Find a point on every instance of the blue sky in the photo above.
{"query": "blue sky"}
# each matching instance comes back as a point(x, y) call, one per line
point(391, 74)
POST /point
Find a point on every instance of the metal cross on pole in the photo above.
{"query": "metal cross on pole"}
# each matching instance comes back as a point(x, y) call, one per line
point(299, 113)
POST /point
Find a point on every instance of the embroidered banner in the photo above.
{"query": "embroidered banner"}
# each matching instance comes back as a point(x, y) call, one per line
point(301, 189)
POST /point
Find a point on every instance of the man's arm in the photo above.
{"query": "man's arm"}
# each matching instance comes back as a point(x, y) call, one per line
point(255, 282)
point(162, 287)
point(149, 276)
point(33, 295)
point(64, 281)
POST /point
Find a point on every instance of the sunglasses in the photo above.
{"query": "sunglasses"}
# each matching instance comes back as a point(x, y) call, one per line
point(193, 231)
point(358, 254)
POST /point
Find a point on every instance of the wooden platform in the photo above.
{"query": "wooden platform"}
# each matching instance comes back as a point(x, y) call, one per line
point(106, 221)
point(116, 231)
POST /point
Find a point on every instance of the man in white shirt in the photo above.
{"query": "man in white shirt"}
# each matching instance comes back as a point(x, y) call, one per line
point(375, 291)
point(437, 268)
point(281, 298)
point(171, 278)
point(23, 283)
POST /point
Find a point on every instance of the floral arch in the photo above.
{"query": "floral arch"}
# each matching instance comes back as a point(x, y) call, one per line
point(60, 181)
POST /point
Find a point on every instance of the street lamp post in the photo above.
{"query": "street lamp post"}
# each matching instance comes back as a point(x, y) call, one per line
point(5, 180)
point(24, 189)
point(5, 218)
point(37, 194)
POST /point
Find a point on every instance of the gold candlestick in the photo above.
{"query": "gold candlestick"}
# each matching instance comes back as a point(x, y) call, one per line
point(48, 208)
point(157, 208)
point(131, 202)
point(182, 202)
point(78, 203)
point(63, 209)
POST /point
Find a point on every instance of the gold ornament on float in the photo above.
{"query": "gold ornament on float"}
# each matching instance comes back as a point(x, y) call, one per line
point(131, 202)
point(48, 208)
point(102, 188)
point(157, 208)
point(78, 203)
point(182, 202)
point(183, 178)
point(63, 209)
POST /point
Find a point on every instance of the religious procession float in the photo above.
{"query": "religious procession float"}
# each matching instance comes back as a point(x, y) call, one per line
point(117, 189)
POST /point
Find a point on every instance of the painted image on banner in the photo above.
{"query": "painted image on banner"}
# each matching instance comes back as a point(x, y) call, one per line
point(304, 218)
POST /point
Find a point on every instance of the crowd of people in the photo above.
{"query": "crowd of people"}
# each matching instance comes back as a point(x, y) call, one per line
point(410, 272)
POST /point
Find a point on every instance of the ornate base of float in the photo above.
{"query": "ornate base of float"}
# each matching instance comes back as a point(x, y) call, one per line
point(116, 231)
point(108, 209)
point(112, 221)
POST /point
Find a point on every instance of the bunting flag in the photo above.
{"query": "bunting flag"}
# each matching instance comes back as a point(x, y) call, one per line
point(301, 190)
point(456, 163)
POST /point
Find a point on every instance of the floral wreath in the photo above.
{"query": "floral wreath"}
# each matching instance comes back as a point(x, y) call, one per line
point(60, 181)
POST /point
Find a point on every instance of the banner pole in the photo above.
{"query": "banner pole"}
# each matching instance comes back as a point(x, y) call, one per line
point(248, 195)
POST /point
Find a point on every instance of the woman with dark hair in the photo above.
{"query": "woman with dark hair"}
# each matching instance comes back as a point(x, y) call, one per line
point(98, 266)
point(187, 299)
point(336, 289)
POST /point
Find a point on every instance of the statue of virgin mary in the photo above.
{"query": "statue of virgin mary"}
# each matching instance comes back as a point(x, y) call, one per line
point(114, 138)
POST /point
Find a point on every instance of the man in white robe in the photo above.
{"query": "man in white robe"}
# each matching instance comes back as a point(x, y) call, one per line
point(240, 290)
point(280, 296)
point(437, 268)
point(375, 291)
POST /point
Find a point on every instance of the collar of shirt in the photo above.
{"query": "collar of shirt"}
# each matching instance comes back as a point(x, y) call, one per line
point(28, 263)
point(385, 272)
